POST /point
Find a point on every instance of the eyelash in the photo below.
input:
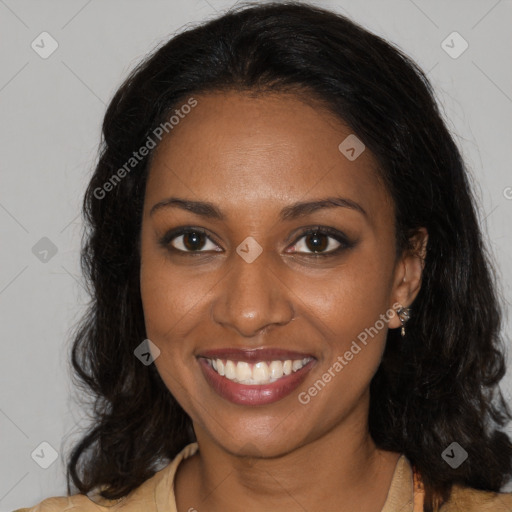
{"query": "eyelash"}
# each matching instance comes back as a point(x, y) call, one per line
point(166, 240)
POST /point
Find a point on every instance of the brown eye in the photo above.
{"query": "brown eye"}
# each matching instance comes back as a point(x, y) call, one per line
point(188, 241)
point(317, 242)
point(193, 241)
point(321, 241)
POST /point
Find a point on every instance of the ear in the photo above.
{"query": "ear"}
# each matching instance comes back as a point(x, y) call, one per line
point(408, 274)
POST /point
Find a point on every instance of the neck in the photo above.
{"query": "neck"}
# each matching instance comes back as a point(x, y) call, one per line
point(342, 470)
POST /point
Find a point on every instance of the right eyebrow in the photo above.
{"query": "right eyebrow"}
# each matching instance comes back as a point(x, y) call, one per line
point(202, 208)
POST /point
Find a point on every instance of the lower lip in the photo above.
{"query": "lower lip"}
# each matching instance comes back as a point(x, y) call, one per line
point(253, 394)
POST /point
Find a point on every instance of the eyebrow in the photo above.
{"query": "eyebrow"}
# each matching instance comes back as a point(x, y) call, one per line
point(293, 211)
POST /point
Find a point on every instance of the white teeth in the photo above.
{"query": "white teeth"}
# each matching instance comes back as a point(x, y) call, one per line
point(230, 370)
point(259, 373)
point(276, 369)
point(243, 371)
point(297, 365)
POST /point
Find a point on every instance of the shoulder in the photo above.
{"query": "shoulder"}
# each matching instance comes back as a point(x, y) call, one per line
point(78, 503)
point(467, 499)
point(139, 499)
point(151, 496)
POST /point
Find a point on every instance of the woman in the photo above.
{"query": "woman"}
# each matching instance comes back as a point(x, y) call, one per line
point(292, 305)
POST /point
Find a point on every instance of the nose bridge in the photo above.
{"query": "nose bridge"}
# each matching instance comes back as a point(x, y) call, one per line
point(252, 296)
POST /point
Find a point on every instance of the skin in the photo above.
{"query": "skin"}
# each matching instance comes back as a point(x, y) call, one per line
point(251, 157)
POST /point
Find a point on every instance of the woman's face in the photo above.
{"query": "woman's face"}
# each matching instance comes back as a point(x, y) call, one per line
point(249, 287)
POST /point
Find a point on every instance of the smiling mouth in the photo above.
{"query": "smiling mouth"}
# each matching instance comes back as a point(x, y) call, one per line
point(262, 372)
point(254, 377)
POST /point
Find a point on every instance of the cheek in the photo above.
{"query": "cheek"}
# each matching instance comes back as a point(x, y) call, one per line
point(166, 304)
point(352, 316)
point(166, 295)
point(354, 308)
point(174, 303)
point(354, 296)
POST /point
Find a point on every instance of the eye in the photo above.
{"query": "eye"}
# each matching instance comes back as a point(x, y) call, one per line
point(314, 241)
point(188, 240)
point(321, 241)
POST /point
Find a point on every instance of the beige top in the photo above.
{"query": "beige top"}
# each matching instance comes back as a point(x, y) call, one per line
point(157, 495)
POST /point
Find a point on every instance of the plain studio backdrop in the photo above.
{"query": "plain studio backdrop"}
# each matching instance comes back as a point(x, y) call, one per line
point(61, 62)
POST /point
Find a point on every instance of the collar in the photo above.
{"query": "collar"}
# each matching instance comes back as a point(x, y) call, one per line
point(401, 494)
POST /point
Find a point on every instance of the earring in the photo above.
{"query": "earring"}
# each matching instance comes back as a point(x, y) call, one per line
point(404, 314)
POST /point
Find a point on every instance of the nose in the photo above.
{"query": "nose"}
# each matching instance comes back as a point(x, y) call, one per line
point(252, 297)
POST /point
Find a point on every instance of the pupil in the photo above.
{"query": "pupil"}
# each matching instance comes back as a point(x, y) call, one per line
point(317, 245)
point(190, 239)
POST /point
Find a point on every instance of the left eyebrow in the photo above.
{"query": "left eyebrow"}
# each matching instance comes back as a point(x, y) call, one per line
point(209, 210)
point(306, 208)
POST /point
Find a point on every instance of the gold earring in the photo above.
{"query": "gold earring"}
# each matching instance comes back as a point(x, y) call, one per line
point(404, 314)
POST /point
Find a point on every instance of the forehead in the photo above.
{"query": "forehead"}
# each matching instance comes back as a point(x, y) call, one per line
point(264, 152)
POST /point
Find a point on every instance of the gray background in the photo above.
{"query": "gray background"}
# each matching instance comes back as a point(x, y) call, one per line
point(51, 115)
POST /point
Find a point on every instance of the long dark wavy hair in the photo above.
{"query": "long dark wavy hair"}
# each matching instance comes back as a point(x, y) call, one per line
point(438, 385)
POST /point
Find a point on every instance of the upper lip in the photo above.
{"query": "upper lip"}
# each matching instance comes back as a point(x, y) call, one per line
point(254, 354)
